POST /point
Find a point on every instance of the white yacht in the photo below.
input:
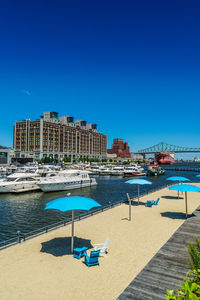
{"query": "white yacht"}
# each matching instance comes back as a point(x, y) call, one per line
point(104, 170)
point(22, 175)
point(23, 183)
point(133, 170)
point(94, 170)
point(44, 170)
point(117, 171)
point(66, 180)
point(137, 167)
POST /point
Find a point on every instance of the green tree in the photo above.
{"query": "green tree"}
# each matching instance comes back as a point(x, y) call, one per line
point(67, 159)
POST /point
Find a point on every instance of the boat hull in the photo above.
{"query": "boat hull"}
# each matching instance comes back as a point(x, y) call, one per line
point(18, 188)
point(65, 186)
point(164, 158)
point(131, 174)
point(155, 173)
point(165, 162)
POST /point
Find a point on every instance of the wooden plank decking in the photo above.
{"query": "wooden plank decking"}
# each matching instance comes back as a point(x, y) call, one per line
point(168, 268)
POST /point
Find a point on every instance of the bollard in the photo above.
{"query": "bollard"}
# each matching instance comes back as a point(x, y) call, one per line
point(20, 236)
point(18, 233)
point(129, 200)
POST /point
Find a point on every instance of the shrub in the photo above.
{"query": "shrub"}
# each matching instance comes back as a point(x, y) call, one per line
point(194, 251)
point(190, 289)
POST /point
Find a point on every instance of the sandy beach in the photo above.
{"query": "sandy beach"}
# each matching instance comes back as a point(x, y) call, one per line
point(42, 268)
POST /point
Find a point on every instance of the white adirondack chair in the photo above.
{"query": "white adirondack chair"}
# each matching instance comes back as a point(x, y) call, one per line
point(102, 247)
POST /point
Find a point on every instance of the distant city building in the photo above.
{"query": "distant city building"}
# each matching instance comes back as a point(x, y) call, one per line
point(120, 148)
point(5, 155)
point(137, 156)
point(58, 138)
point(111, 156)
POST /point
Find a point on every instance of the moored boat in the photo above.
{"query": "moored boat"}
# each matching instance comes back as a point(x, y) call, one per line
point(154, 170)
point(20, 184)
point(164, 158)
point(134, 173)
point(134, 170)
point(66, 180)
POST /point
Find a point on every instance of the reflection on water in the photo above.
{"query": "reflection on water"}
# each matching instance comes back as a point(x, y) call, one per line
point(25, 212)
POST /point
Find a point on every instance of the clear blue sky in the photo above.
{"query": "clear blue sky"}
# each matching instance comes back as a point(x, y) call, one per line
point(132, 67)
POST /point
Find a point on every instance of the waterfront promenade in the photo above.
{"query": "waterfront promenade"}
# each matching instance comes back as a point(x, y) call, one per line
point(168, 267)
point(42, 268)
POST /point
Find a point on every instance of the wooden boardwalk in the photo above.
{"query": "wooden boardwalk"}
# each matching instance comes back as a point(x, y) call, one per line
point(168, 268)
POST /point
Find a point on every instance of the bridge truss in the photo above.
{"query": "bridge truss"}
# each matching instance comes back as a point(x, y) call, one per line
point(164, 147)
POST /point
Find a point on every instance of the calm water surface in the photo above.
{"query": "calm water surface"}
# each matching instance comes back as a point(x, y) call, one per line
point(25, 212)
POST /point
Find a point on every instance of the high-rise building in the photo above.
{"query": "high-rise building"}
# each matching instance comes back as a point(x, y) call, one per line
point(58, 138)
point(120, 148)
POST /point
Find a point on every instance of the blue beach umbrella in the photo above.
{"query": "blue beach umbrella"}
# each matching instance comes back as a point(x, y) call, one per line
point(72, 203)
point(138, 182)
point(178, 178)
point(185, 188)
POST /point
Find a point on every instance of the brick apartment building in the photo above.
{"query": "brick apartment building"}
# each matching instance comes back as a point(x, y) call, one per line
point(58, 138)
point(121, 149)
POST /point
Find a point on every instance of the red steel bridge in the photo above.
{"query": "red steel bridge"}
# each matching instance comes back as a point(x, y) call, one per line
point(164, 147)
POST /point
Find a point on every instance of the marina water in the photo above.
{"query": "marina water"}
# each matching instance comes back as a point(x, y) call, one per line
point(25, 212)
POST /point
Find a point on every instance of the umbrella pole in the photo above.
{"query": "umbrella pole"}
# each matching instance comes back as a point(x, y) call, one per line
point(138, 194)
point(178, 191)
point(72, 239)
point(186, 208)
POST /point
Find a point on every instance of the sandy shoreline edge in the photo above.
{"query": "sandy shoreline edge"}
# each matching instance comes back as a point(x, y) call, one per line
point(28, 273)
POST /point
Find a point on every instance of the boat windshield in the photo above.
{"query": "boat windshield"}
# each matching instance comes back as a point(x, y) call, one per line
point(9, 179)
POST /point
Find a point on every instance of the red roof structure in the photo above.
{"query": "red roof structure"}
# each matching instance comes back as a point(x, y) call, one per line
point(120, 148)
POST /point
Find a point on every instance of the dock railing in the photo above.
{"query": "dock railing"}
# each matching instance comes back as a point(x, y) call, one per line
point(22, 237)
point(182, 169)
